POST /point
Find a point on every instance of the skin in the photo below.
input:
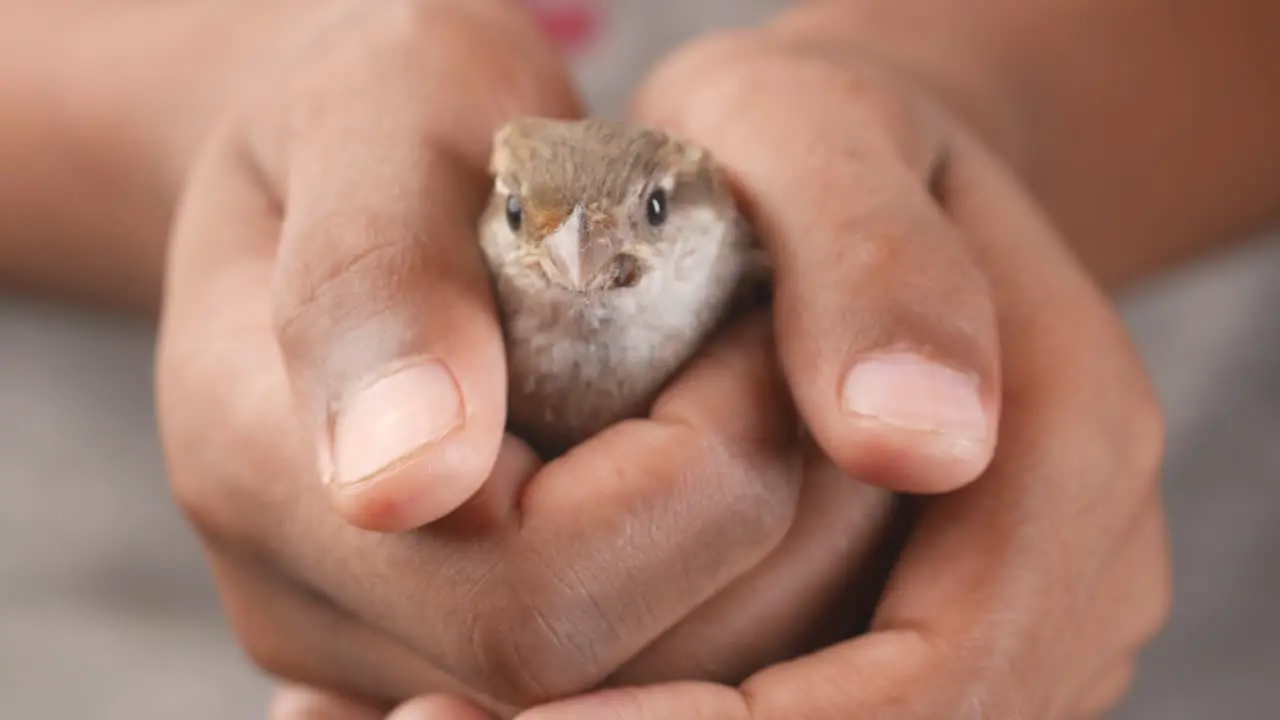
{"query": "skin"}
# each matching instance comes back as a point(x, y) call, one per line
point(609, 277)
point(985, 233)
point(537, 582)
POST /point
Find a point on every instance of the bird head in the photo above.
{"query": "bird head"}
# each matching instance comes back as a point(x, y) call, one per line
point(595, 206)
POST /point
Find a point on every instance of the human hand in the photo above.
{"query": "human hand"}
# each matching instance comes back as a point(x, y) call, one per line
point(294, 702)
point(1028, 593)
point(989, 613)
point(326, 239)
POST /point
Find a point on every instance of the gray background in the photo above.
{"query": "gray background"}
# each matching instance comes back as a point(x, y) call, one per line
point(107, 612)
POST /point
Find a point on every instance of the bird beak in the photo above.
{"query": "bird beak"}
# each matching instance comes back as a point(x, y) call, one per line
point(575, 260)
point(563, 250)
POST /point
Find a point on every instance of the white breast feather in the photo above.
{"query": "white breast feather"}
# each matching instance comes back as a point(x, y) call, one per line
point(600, 357)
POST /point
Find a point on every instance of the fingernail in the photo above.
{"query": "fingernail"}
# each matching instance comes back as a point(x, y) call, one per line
point(907, 392)
point(393, 417)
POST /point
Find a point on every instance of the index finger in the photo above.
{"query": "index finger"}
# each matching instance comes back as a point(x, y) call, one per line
point(647, 520)
point(699, 492)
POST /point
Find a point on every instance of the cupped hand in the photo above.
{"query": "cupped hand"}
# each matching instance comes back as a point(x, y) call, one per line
point(1029, 592)
point(897, 236)
point(331, 399)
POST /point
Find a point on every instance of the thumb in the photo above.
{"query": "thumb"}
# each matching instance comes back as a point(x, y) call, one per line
point(382, 303)
point(389, 332)
point(885, 327)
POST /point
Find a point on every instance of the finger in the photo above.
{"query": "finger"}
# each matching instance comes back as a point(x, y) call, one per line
point(297, 636)
point(298, 702)
point(885, 325)
point(666, 512)
point(707, 701)
point(383, 305)
point(307, 641)
point(612, 544)
point(1134, 595)
point(817, 588)
point(223, 202)
point(999, 577)
point(1106, 692)
point(983, 600)
point(438, 707)
point(609, 549)
point(260, 532)
point(683, 700)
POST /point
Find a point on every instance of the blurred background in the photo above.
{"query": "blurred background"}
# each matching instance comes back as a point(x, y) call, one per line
point(107, 610)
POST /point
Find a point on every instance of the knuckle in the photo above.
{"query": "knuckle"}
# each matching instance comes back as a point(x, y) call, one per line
point(725, 55)
point(541, 638)
point(353, 275)
point(974, 701)
point(762, 478)
point(546, 629)
point(249, 607)
point(272, 652)
point(711, 54)
point(714, 73)
point(1150, 433)
point(741, 482)
point(393, 26)
point(715, 82)
point(414, 27)
point(269, 653)
point(762, 495)
point(413, 23)
point(407, 20)
point(745, 487)
point(198, 423)
point(751, 70)
point(437, 46)
point(524, 660)
point(1161, 611)
point(201, 504)
point(1158, 610)
point(1108, 690)
point(1136, 440)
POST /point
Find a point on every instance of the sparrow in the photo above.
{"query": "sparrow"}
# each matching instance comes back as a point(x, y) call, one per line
point(615, 250)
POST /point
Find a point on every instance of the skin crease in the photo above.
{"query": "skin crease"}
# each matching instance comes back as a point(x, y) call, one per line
point(316, 601)
point(703, 505)
point(937, 601)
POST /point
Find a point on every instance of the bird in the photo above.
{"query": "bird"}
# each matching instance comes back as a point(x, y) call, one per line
point(616, 250)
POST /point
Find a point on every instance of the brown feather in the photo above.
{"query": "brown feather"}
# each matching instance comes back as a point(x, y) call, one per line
point(580, 360)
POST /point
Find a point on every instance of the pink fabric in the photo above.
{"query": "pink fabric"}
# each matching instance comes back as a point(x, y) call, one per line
point(574, 25)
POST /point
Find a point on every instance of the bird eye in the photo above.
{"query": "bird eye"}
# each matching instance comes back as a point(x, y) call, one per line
point(656, 207)
point(515, 213)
